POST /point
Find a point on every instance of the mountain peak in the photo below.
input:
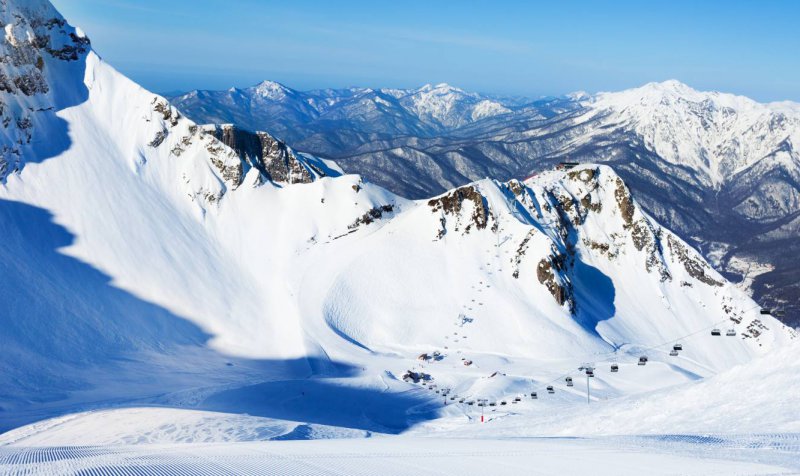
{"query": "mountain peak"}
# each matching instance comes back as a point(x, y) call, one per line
point(440, 88)
point(656, 92)
point(671, 86)
point(271, 89)
point(671, 92)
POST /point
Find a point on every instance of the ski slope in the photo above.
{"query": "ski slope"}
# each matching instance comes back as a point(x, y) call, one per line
point(400, 455)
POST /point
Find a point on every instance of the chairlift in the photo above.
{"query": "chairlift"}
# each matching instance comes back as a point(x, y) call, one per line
point(678, 347)
point(550, 389)
point(716, 332)
point(534, 396)
point(614, 368)
point(569, 382)
point(765, 312)
point(673, 353)
point(590, 372)
point(730, 333)
point(493, 404)
point(517, 399)
point(643, 360)
point(503, 402)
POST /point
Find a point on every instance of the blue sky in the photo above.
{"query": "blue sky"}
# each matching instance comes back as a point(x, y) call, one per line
point(509, 47)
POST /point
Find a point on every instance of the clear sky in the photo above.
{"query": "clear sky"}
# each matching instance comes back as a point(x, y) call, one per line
point(511, 47)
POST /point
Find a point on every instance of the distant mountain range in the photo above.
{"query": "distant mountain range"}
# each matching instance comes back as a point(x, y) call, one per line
point(721, 170)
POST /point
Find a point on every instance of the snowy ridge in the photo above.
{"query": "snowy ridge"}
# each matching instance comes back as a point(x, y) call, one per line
point(718, 169)
point(38, 48)
point(422, 111)
point(719, 134)
point(448, 106)
point(272, 158)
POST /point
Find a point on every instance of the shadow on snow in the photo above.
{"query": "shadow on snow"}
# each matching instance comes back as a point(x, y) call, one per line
point(594, 296)
point(72, 342)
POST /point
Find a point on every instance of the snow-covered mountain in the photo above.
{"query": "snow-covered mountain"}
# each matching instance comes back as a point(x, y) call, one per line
point(721, 170)
point(148, 260)
point(326, 117)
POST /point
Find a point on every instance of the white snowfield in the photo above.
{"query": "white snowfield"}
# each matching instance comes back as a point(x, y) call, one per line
point(157, 289)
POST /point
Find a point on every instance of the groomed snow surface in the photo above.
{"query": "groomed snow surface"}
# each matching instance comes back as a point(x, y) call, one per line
point(715, 426)
point(674, 454)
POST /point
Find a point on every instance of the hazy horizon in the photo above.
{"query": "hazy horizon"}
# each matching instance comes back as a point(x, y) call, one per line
point(514, 48)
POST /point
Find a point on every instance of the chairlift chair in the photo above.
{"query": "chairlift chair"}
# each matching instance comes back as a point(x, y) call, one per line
point(673, 353)
point(550, 389)
point(765, 312)
point(569, 382)
point(614, 368)
point(730, 333)
point(716, 332)
point(643, 360)
point(534, 396)
point(678, 347)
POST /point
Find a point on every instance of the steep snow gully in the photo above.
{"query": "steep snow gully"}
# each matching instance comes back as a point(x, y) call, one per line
point(166, 282)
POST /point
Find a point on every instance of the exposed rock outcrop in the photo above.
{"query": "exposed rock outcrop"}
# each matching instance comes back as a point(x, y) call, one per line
point(34, 40)
point(464, 199)
point(276, 161)
point(546, 272)
point(693, 264)
point(374, 213)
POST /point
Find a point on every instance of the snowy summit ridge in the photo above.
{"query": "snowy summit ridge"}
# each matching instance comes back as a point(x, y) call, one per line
point(719, 169)
point(720, 134)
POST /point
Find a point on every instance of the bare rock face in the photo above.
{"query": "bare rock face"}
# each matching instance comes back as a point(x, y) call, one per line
point(276, 161)
point(624, 201)
point(587, 211)
point(373, 214)
point(696, 268)
point(548, 271)
point(280, 162)
point(35, 39)
point(522, 249)
point(453, 204)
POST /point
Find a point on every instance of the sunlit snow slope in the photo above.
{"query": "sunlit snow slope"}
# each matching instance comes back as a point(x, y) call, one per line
point(144, 261)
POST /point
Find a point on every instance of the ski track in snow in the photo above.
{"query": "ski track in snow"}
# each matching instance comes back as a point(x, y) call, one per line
point(657, 455)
